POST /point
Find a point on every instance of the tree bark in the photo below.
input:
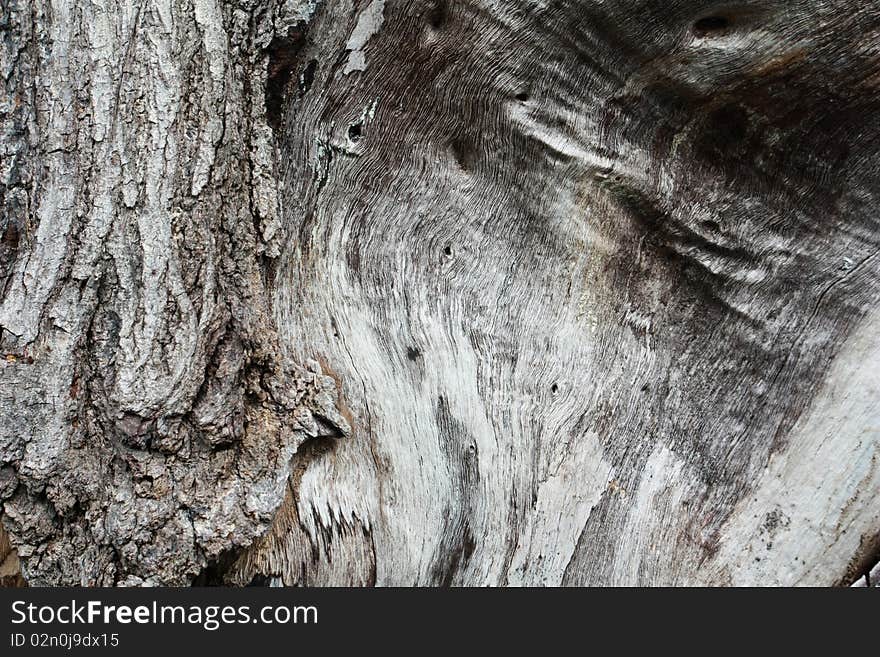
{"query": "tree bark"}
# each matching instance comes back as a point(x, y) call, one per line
point(433, 292)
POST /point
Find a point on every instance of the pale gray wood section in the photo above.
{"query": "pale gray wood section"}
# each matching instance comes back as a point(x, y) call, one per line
point(594, 278)
point(435, 292)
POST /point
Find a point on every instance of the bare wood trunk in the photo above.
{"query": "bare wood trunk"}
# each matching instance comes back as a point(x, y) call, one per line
point(589, 291)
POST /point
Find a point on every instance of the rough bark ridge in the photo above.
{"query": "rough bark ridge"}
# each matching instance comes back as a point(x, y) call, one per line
point(598, 281)
point(149, 412)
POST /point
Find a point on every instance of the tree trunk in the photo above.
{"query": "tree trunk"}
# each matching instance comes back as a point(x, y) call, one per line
point(441, 292)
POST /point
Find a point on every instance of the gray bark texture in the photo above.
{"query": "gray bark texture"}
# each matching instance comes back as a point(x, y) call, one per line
point(440, 292)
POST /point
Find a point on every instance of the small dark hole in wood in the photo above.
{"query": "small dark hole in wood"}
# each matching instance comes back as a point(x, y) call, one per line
point(308, 75)
point(438, 14)
point(355, 131)
point(11, 236)
point(522, 97)
point(554, 388)
point(282, 53)
point(465, 153)
point(214, 573)
point(259, 580)
point(711, 225)
point(711, 25)
point(447, 251)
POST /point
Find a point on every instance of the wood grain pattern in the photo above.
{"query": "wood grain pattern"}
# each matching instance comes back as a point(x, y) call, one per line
point(595, 278)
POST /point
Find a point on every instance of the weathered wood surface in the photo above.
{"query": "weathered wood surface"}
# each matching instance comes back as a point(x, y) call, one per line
point(594, 285)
